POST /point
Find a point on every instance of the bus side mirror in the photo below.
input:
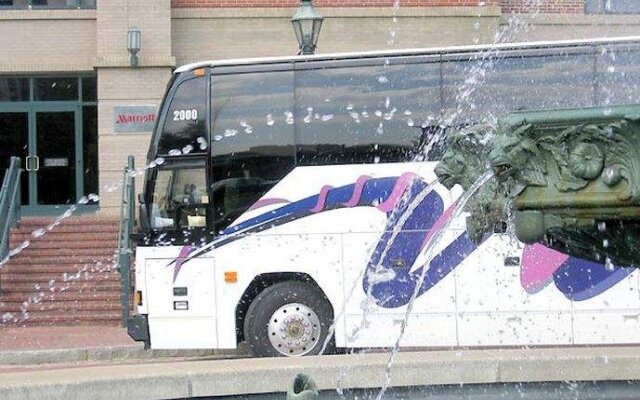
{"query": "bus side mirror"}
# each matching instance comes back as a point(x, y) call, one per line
point(144, 218)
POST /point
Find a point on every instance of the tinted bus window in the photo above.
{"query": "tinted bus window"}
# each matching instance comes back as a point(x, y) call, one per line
point(477, 89)
point(365, 114)
point(252, 140)
point(618, 75)
point(184, 130)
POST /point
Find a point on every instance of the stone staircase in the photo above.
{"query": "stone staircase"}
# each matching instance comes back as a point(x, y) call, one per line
point(66, 276)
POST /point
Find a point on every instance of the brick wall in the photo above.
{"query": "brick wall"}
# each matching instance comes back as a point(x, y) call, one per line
point(542, 6)
point(328, 3)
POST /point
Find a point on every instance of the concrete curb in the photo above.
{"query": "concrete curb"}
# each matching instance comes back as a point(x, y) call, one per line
point(108, 353)
point(186, 379)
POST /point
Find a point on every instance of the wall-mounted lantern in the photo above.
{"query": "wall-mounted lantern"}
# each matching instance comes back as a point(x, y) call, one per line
point(134, 41)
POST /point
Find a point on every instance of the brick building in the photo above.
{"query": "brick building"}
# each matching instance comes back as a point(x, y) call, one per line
point(66, 84)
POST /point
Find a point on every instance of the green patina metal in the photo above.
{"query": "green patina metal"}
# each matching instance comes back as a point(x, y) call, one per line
point(570, 177)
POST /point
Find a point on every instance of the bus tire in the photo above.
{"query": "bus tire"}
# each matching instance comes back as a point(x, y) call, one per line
point(289, 319)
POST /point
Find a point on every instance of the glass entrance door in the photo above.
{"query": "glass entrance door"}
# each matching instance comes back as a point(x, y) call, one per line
point(14, 142)
point(55, 163)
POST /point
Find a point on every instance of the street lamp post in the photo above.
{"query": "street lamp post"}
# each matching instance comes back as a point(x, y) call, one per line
point(306, 24)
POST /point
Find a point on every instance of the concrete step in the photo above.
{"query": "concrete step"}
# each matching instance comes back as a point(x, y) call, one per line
point(59, 269)
point(65, 318)
point(59, 260)
point(28, 222)
point(36, 288)
point(63, 228)
point(19, 297)
point(66, 237)
point(49, 306)
point(79, 243)
point(63, 251)
point(8, 279)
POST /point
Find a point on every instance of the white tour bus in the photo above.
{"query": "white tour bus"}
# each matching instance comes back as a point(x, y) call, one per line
point(291, 195)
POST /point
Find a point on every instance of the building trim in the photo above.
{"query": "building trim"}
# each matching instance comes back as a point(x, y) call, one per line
point(48, 67)
point(144, 62)
point(21, 15)
point(577, 19)
point(336, 12)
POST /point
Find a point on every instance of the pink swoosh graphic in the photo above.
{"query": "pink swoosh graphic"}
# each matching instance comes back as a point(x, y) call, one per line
point(357, 191)
point(184, 253)
point(267, 202)
point(322, 198)
point(538, 265)
point(398, 191)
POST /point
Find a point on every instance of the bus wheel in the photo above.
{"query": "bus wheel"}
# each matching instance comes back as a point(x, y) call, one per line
point(289, 319)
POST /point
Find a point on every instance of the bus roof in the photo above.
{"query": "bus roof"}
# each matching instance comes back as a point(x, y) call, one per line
point(405, 52)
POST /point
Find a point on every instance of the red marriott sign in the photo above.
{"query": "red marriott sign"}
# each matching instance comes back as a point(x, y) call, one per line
point(134, 118)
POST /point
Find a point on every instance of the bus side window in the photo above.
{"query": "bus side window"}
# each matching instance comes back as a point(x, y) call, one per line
point(184, 130)
point(365, 114)
point(252, 145)
point(180, 199)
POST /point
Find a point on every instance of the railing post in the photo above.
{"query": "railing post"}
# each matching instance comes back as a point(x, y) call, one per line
point(9, 205)
point(127, 215)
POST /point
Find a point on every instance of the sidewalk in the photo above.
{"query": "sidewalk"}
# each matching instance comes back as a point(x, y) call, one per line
point(64, 344)
point(206, 378)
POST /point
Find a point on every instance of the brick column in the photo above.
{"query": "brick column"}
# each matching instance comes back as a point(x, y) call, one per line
point(119, 84)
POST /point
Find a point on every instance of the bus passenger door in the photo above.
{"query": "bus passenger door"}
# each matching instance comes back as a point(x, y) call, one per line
point(179, 280)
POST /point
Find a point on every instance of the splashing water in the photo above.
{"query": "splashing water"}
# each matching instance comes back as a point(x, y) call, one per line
point(377, 270)
point(68, 279)
point(433, 242)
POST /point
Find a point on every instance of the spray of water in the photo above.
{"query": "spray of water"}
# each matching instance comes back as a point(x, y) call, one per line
point(432, 244)
point(67, 279)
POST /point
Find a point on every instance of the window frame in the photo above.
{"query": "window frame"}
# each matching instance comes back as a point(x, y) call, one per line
point(598, 7)
point(28, 5)
point(176, 232)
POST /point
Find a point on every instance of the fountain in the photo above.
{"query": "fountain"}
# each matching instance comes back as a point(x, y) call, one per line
point(570, 178)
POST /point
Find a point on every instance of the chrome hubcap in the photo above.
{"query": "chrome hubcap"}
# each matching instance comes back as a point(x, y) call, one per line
point(294, 329)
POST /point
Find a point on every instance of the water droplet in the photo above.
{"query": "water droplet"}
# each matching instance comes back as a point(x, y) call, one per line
point(608, 264)
point(327, 117)
point(38, 233)
point(230, 132)
point(187, 149)
point(289, 116)
point(602, 226)
point(174, 152)
point(270, 120)
point(217, 138)
point(383, 79)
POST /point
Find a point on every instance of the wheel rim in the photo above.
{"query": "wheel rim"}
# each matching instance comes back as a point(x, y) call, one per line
point(294, 329)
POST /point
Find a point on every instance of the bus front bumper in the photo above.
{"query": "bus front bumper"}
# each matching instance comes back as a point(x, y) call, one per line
point(138, 329)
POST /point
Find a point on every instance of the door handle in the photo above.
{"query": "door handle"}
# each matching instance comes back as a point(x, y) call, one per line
point(27, 163)
point(37, 168)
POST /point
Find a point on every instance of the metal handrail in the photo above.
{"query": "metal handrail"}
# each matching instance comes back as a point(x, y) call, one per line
point(10, 200)
point(125, 244)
